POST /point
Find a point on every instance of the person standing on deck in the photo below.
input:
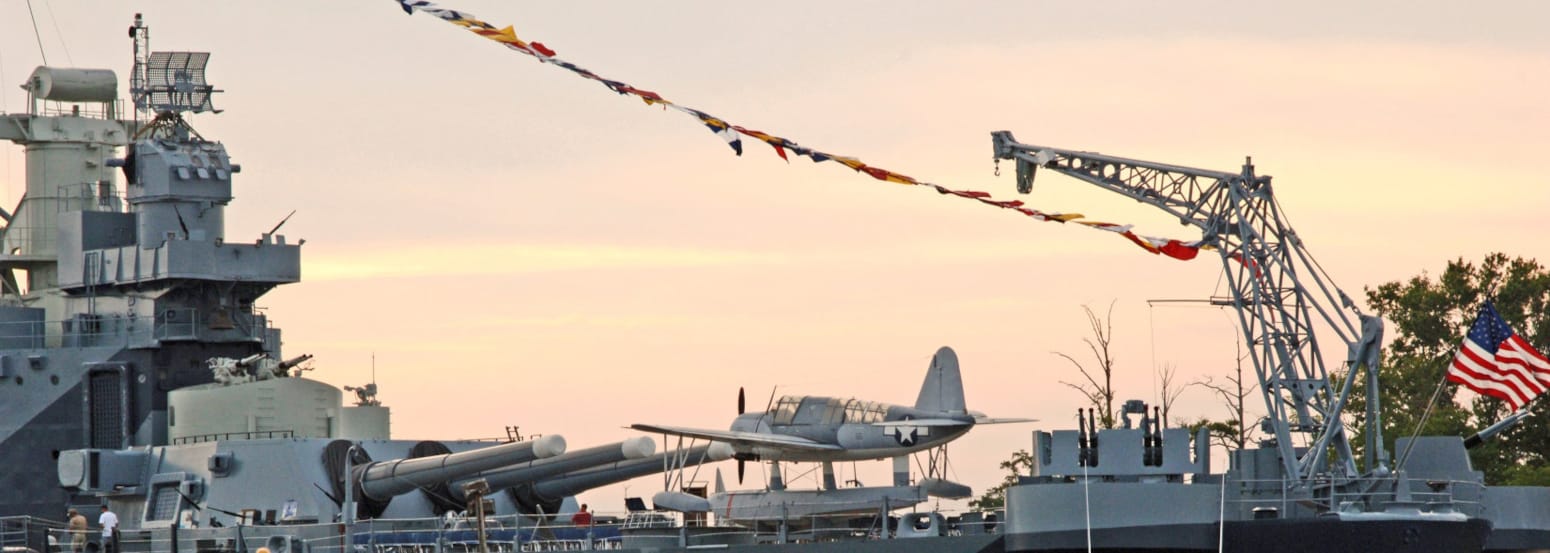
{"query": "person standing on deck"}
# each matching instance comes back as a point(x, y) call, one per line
point(77, 530)
point(582, 517)
point(109, 523)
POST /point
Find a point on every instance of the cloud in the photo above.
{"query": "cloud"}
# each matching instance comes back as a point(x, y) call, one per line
point(421, 260)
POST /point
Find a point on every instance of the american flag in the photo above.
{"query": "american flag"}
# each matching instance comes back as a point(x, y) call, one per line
point(1497, 362)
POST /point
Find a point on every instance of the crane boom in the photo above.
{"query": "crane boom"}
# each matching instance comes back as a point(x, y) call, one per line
point(1278, 291)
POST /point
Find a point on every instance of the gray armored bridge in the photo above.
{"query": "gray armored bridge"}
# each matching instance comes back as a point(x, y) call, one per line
point(178, 191)
point(302, 480)
point(118, 280)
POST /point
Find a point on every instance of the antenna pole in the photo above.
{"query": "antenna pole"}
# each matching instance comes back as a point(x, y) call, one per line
point(138, 76)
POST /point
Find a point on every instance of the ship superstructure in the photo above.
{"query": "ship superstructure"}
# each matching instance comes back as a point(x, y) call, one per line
point(113, 291)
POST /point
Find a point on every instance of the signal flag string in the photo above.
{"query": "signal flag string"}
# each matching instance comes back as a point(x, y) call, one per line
point(733, 135)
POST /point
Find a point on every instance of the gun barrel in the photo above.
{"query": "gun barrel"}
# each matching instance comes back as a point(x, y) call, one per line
point(287, 364)
point(386, 479)
point(571, 461)
point(580, 481)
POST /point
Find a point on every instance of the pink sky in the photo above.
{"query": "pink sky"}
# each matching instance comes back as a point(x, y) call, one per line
point(518, 246)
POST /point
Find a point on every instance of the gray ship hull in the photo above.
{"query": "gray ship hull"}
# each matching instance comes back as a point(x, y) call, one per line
point(949, 544)
point(1267, 536)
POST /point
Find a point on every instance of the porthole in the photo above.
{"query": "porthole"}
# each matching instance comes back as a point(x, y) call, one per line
point(53, 379)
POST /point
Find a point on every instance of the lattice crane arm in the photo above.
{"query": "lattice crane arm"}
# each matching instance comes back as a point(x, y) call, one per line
point(1278, 290)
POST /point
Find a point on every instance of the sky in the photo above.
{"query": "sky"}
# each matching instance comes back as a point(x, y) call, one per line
point(514, 245)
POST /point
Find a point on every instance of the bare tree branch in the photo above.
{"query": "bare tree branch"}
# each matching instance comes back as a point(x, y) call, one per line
point(1170, 389)
point(1100, 395)
point(1236, 432)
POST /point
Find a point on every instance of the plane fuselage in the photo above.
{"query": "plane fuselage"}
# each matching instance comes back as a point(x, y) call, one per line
point(863, 430)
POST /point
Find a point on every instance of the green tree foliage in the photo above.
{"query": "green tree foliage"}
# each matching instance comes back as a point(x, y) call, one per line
point(995, 498)
point(1427, 318)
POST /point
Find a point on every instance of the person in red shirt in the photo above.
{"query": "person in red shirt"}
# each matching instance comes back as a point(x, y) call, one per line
point(582, 517)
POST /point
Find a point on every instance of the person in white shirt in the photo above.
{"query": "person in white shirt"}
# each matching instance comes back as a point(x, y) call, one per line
point(109, 523)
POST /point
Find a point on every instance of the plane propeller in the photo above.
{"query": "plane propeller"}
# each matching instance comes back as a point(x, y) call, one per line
point(742, 402)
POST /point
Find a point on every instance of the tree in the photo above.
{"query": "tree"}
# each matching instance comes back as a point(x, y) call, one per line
point(1234, 432)
point(1170, 388)
point(1099, 395)
point(1428, 318)
point(1222, 433)
point(995, 498)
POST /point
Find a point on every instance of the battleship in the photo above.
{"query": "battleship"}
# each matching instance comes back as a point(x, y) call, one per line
point(136, 373)
point(110, 297)
point(136, 365)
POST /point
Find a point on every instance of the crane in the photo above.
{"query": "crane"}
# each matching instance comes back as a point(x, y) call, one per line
point(1279, 293)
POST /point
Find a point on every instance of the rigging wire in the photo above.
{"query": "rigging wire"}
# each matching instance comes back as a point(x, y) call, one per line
point(3, 107)
point(6, 176)
point(35, 33)
point(1151, 323)
point(1421, 424)
point(57, 32)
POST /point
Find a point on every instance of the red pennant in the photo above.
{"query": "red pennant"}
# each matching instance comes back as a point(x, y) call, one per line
point(1009, 204)
point(1179, 250)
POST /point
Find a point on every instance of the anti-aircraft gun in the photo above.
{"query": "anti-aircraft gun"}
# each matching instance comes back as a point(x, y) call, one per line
point(291, 363)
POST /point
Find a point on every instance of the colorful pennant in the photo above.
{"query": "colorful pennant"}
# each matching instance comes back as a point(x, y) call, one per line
point(733, 134)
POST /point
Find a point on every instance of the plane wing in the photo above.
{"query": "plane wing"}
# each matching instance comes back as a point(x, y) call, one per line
point(917, 423)
point(740, 438)
point(978, 419)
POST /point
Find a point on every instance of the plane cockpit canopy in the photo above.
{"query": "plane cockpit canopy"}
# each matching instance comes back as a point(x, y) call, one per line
point(798, 410)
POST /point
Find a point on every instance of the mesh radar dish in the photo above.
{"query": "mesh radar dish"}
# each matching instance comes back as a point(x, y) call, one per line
point(175, 81)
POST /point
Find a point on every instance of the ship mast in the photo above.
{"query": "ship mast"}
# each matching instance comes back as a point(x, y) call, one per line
point(141, 35)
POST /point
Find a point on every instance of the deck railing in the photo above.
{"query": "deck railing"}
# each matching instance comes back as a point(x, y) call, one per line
point(502, 534)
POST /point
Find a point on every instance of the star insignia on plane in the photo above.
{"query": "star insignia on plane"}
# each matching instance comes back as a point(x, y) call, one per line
point(907, 435)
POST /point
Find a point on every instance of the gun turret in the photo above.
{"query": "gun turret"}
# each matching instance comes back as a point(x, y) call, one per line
point(548, 493)
point(251, 361)
point(383, 480)
point(292, 362)
point(502, 478)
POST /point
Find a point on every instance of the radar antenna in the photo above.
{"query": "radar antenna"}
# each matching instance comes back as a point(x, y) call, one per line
point(167, 81)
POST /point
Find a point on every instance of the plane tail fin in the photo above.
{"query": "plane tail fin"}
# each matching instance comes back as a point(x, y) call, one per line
point(720, 486)
point(943, 389)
